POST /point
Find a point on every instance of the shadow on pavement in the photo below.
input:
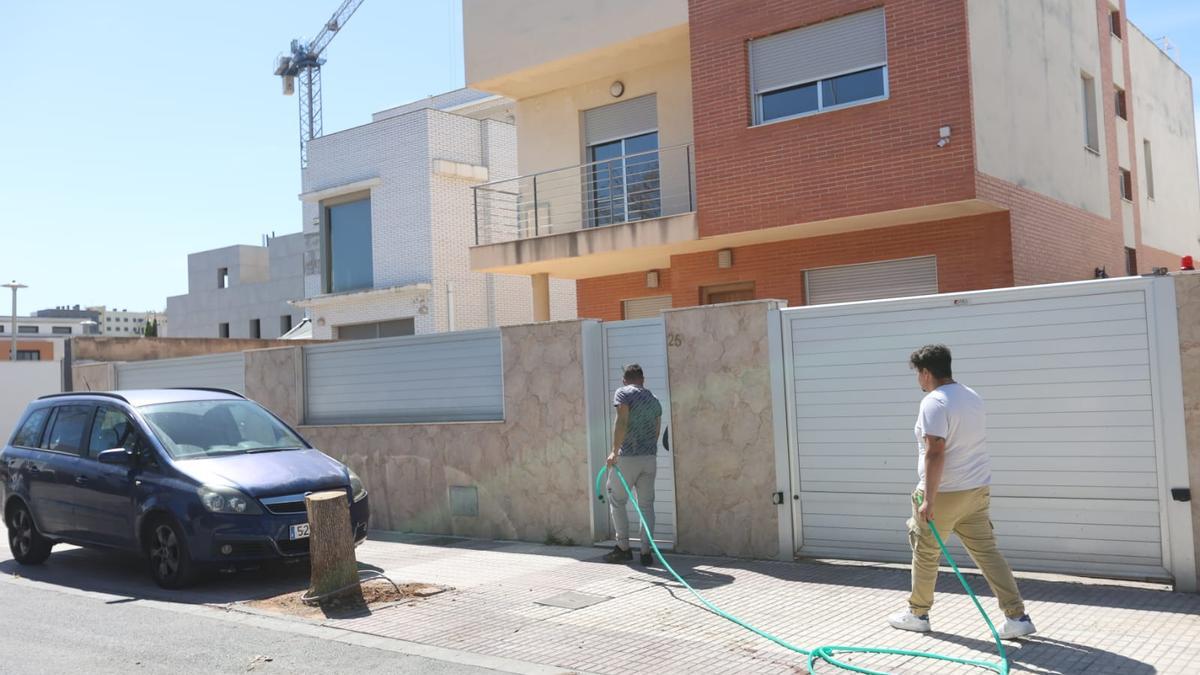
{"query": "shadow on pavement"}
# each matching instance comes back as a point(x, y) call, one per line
point(1047, 656)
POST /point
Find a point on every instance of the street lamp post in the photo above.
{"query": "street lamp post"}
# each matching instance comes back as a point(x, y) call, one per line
point(15, 287)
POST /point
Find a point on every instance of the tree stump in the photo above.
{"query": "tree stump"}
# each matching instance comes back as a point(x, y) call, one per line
point(331, 546)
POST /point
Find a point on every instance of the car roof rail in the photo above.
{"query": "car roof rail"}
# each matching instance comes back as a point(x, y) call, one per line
point(218, 390)
point(107, 394)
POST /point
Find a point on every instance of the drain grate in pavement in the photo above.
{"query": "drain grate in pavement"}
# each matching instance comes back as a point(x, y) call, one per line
point(573, 600)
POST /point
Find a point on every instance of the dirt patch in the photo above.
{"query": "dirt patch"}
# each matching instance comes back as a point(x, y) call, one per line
point(375, 593)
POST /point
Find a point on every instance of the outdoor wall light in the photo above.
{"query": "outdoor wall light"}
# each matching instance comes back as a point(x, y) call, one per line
point(616, 89)
point(321, 321)
point(725, 258)
point(943, 137)
point(652, 279)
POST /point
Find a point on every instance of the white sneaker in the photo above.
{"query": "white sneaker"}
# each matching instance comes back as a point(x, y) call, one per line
point(908, 621)
point(1015, 628)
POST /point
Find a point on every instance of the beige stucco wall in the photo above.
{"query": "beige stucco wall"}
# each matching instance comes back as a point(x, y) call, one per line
point(1026, 60)
point(502, 40)
point(94, 376)
point(549, 134)
point(531, 470)
point(722, 433)
point(1187, 298)
point(274, 379)
point(1163, 114)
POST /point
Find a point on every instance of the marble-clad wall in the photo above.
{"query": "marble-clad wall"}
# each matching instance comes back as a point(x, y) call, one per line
point(722, 430)
point(273, 378)
point(529, 472)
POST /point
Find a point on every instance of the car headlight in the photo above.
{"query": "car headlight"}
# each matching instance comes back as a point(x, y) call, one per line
point(356, 486)
point(227, 500)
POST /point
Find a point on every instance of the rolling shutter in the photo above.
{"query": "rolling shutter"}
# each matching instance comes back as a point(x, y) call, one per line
point(872, 281)
point(844, 45)
point(621, 120)
point(646, 308)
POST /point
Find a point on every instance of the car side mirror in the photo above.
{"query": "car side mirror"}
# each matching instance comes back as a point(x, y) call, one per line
point(116, 456)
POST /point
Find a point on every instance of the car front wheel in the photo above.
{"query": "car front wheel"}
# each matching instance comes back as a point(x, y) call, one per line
point(28, 545)
point(170, 563)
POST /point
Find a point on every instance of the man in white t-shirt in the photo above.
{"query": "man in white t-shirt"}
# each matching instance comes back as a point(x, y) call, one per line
point(955, 474)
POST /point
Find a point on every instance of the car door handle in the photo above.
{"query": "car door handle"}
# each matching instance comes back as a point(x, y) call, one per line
point(81, 480)
point(33, 468)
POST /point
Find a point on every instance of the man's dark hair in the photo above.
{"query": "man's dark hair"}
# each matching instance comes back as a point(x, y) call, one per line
point(934, 358)
point(633, 373)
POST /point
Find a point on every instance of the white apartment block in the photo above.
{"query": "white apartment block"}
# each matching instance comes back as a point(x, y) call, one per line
point(241, 291)
point(389, 221)
point(121, 322)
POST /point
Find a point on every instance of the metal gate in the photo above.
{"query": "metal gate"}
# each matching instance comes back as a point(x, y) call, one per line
point(643, 341)
point(1085, 427)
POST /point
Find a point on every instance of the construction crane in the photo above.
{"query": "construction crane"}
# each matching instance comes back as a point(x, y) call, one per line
point(303, 64)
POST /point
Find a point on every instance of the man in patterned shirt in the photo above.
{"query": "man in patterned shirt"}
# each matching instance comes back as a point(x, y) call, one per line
point(634, 451)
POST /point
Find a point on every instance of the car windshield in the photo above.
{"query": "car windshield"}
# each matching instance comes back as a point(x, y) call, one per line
point(191, 429)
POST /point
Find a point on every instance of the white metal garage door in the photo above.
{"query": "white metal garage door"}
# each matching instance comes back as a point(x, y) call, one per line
point(644, 342)
point(1076, 430)
point(223, 371)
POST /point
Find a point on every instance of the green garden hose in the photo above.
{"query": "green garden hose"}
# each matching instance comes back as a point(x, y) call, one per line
point(828, 653)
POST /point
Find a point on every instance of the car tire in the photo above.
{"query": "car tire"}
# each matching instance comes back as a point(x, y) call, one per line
point(167, 553)
point(28, 546)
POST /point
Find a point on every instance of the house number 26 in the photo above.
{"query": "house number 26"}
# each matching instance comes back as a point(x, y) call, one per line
point(674, 340)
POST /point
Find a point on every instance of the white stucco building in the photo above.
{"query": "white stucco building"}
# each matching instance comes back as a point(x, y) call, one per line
point(241, 291)
point(389, 220)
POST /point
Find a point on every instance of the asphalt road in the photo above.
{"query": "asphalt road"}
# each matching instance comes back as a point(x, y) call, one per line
point(43, 630)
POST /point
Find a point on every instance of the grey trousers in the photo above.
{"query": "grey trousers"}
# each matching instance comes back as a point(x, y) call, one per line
point(639, 472)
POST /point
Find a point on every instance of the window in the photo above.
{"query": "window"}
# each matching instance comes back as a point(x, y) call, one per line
point(1149, 164)
point(1126, 184)
point(1131, 261)
point(285, 324)
point(69, 428)
point(348, 242)
point(223, 330)
point(1091, 137)
point(821, 67)
point(255, 329)
point(29, 355)
point(210, 428)
point(60, 330)
point(1114, 23)
point(624, 180)
point(27, 329)
point(112, 429)
point(715, 295)
point(1120, 104)
point(223, 277)
point(370, 331)
point(30, 433)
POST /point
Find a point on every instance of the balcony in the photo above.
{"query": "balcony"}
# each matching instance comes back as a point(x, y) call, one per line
point(612, 191)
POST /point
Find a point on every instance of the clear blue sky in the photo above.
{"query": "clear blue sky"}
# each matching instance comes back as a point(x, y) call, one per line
point(138, 131)
point(135, 132)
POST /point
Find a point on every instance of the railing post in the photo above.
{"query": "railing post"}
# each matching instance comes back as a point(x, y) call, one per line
point(475, 195)
point(535, 207)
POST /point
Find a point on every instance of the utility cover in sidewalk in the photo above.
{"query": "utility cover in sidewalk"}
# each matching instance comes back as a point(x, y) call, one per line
point(573, 600)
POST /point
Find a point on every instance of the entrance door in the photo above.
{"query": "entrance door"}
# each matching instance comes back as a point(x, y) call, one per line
point(644, 342)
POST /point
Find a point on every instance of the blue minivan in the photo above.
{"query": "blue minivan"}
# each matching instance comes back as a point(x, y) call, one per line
point(189, 478)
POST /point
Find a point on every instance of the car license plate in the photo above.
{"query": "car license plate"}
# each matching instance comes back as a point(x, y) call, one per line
point(299, 531)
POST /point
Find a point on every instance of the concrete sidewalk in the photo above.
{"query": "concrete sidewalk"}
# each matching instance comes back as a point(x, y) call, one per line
point(560, 606)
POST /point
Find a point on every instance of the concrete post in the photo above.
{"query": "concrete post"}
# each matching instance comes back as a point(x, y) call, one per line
point(541, 296)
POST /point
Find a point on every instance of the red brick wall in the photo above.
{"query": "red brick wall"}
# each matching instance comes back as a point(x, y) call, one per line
point(973, 253)
point(44, 348)
point(875, 157)
point(1054, 241)
point(600, 298)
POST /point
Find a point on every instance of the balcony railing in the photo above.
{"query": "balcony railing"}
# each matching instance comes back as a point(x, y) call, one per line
point(626, 189)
